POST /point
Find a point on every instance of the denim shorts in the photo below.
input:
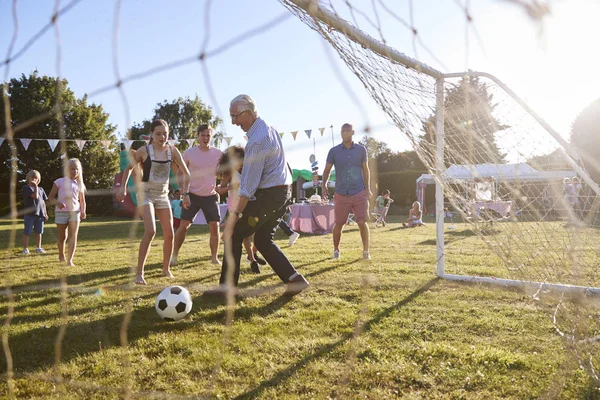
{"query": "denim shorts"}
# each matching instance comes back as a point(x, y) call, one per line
point(33, 223)
point(158, 198)
point(64, 217)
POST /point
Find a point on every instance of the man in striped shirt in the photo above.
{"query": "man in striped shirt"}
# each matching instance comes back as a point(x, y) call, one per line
point(264, 194)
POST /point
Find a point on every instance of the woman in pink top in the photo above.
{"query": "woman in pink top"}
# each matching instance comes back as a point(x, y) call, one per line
point(68, 194)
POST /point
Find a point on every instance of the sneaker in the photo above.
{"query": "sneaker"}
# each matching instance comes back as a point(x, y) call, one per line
point(25, 251)
point(255, 267)
point(293, 237)
point(296, 285)
point(366, 255)
point(337, 255)
point(39, 250)
point(173, 261)
point(259, 260)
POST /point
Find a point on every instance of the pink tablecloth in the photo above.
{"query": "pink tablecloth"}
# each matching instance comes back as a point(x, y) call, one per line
point(200, 220)
point(312, 218)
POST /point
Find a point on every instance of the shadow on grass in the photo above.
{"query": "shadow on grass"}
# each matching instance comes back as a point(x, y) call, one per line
point(322, 351)
point(34, 349)
point(450, 237)
point(264, 276)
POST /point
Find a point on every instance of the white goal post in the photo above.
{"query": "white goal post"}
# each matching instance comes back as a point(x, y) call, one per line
point(408, 90)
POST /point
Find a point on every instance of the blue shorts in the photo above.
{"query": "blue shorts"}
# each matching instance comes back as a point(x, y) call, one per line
point(33, 223)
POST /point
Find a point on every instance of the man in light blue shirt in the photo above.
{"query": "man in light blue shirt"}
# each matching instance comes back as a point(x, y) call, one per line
point(264, 195)
point(352, 188)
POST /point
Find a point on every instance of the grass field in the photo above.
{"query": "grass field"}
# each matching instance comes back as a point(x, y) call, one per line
point(378, 330)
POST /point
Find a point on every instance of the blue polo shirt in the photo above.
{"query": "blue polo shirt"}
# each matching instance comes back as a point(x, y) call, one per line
point(348, 168)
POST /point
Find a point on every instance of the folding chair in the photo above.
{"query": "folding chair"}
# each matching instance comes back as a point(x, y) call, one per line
point(379, 217)
point(351, 219)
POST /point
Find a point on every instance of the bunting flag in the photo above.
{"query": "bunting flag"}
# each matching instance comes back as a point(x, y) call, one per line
point(127, 142)
point(294, 133)
point(281, 135)
point(52, 143)
point(1, 141)
point(171, 142)
point(228, 139)
point(322, 130)
point(80, 144)
point(190, 142)
point(308, 132)
point(26, 143)
point(106, 144)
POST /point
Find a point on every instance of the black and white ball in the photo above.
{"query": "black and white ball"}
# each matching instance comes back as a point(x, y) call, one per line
point(173, 303)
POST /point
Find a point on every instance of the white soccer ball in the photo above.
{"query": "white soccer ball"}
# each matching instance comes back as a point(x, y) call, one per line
point(173, 303)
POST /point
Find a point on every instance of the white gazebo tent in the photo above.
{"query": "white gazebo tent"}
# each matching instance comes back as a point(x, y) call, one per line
point(500, 173)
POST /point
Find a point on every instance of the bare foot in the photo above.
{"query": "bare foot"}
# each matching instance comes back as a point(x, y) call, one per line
point(139, 280)
point(216, 262)
point(70, 264)
point(61, 259)
point(168, 274)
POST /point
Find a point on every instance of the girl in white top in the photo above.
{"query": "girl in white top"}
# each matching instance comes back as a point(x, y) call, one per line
point(230, 167)
point(414, 216)
point(68, 194)
point(157, 159)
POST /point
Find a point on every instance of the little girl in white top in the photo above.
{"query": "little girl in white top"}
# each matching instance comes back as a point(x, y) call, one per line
point(68, 194)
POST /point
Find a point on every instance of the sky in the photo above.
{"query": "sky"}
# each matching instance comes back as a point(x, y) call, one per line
point(297, 80)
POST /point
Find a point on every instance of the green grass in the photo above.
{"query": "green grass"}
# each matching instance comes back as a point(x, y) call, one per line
point(382, 329)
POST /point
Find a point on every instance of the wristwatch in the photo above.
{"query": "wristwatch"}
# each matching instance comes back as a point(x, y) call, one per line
point(237, 214)
point(185, 194)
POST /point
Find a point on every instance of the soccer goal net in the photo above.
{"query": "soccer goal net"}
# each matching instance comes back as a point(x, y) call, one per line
point(497, 167)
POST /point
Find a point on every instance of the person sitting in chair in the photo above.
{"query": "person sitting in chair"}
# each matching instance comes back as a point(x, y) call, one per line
point(414, 216)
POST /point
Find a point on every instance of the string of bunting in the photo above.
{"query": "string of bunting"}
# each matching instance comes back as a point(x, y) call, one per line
point(308, 133)
point(53, 143)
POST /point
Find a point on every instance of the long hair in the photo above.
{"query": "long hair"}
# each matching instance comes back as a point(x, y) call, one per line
point(76, 161)
point(154, 124)
point(418, 205)
point(231, 159)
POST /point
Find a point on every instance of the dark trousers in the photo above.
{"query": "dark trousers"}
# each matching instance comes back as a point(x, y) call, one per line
point(285, 227)
point(261, 217)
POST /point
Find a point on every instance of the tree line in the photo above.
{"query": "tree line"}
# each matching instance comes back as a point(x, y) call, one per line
point(33, 100)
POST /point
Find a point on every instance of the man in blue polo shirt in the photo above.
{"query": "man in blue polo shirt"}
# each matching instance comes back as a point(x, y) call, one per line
point(352, 188)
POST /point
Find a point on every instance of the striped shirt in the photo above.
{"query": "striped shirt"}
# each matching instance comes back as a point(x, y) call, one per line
point(264, 161)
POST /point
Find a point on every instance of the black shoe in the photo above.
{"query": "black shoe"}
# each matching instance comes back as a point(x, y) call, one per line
point(259, 260)
point(254, 267)
point(295, 286)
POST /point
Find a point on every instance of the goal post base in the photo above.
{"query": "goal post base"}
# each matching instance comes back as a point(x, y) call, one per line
point(560, 288)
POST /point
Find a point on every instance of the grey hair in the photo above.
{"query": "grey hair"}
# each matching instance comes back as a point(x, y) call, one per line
point(245, 103)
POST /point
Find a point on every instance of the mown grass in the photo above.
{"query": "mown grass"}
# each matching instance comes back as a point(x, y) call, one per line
point(381, 329)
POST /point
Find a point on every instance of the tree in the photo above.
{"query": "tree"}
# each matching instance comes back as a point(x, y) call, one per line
point(183, 115)
point(584, 137)
point(34, 96)
point(374, 146)
point(469, 126)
